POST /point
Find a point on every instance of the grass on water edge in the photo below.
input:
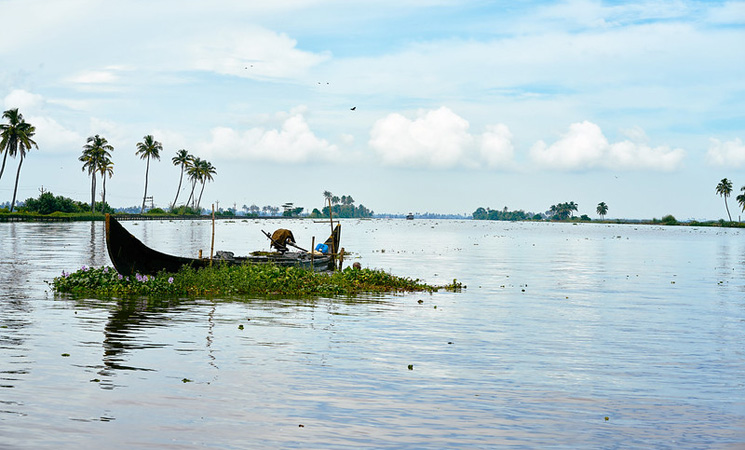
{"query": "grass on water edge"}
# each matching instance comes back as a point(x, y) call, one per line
point(239, 280)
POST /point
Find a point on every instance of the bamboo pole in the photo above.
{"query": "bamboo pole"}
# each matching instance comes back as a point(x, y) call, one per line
point(312, 251)
point(212, 247)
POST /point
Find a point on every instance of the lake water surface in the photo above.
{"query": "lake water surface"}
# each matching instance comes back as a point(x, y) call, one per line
point(567, 336)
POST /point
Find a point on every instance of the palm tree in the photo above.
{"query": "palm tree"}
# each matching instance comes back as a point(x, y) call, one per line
point(146, 149)
point(724, 188)
point(194, 173)
point(107, 170)
point(182, 159)
point(10, 134)
point(95, 158)
point(207, 170)
point(741, 198)
point(602, 209)
point(572, 207)
point(16, 140)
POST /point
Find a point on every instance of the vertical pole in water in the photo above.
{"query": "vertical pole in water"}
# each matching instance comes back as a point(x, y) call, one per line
point(212, 247)
point(333, 249)
point(312, 250)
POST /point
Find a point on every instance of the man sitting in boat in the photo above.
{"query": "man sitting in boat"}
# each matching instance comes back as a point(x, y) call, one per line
point(281, 238)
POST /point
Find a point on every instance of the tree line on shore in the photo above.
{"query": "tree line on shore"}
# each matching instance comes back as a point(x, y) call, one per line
point(96, 158)
point(16, 139)
point(559, 211)
point(48, 203)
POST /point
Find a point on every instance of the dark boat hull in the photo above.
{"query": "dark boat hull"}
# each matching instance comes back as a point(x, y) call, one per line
point(130, 256)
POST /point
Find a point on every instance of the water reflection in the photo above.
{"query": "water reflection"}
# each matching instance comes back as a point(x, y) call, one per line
point(126, 321)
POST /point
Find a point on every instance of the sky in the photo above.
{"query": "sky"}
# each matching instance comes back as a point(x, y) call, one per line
point(457, 104)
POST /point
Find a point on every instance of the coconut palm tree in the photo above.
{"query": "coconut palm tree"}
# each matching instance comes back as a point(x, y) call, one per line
point(741, 198)
point(207, 170)
point(11, 135)
point(148, 148)
point(572, 207)
point(95, 158)
point(16, 140)
point(183, 159)
point(602, 209)
point(724, 188)
point(194, 173)
point(107, 171)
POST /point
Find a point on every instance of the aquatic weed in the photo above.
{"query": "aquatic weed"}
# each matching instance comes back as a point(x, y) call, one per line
point(241, 280)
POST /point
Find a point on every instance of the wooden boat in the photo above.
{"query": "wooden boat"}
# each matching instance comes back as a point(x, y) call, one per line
point(130, 256)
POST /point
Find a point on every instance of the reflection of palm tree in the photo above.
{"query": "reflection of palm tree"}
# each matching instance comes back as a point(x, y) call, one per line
point(182, 159)
point(148, 148)
point(16, 140)
point(121, 335)
point(602, 209)
point(95, 158)
point(724, 188)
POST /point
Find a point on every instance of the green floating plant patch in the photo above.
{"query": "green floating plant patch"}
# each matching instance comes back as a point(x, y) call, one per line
point(239, 280)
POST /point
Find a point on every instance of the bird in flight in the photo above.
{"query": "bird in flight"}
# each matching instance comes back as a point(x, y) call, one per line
point(352, 108)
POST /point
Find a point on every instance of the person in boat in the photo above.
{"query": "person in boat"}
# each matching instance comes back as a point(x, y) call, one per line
point(281, 238)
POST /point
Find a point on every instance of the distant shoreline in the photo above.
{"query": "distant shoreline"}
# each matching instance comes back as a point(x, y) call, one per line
point(22, 217)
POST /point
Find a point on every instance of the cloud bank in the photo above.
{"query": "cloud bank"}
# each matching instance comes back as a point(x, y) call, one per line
point(439, 139)
point(585, 146)
point(293, 142)
point(729, 154)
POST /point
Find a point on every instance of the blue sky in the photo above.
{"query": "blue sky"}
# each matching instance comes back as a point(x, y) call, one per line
point(459, 104)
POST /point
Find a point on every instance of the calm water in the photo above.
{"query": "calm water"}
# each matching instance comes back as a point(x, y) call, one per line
point(560, 327)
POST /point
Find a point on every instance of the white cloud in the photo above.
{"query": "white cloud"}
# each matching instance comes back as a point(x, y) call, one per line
point(585, 147)
point(730, 153)
point(252, 52)
point(53, 137)
point(439, 139)
point(496, 146)
point(23, 100)
point(436, 138)
point(293, 143)
point(50, 136)
point(95, 77)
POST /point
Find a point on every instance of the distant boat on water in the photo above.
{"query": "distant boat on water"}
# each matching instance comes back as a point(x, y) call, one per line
point(410, 216)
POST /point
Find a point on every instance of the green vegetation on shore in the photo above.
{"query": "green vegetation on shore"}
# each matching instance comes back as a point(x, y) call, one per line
point(240, 280)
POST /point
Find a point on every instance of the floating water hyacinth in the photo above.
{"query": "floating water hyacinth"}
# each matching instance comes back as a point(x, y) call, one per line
point(239, 280)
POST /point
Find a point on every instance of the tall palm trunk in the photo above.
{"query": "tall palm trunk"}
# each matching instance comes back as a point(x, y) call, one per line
point(147, 171)
point(193, 185)
point(727, 207)
point(2, 169)
point(199, 202)
point(15, 189)
point(93, 192)
point(103, 198)
point(181, 178)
